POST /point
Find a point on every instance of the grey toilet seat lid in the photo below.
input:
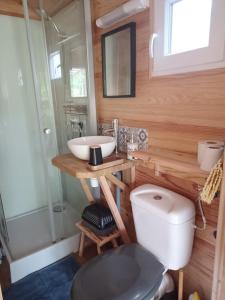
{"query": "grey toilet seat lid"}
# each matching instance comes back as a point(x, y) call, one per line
point(128, 273)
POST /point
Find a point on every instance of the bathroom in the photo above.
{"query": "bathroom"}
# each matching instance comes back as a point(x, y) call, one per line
point(48, 45)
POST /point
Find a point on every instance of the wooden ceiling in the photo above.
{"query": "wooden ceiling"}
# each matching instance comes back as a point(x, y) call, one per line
point(50, 6)
point(15, 8)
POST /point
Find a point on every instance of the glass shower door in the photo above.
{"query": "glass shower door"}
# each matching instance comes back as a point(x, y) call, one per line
point(45, 110)
point(69, 45)
point(23, 184)
point(32, 190)
point(64, 91)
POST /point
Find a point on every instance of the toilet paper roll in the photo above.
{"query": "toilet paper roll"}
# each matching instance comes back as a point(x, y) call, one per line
point(210, 157)
point(202, 145)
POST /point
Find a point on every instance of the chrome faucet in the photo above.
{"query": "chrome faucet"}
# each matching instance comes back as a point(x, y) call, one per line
point(114, 130)
point(77, 126)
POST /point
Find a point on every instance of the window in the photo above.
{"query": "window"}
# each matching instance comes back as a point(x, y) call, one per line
point(186, 30)
point(78, 85)
point(55, 65)
point(189, 36)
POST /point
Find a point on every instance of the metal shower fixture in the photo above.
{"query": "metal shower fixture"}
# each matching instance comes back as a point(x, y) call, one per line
point(43, 13)
point(64, 37)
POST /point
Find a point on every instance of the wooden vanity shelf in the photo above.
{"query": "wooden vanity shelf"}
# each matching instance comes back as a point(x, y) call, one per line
point(80, 169)
point(161, 161)
point(97, 239)
point(177, 164)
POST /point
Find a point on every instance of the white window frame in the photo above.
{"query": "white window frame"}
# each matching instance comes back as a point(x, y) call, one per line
point(211, 57)
point(52, 67)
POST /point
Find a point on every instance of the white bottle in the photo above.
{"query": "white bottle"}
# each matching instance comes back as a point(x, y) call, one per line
point(131, 147)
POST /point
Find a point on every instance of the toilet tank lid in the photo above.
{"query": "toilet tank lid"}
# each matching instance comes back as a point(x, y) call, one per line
point(168, 205)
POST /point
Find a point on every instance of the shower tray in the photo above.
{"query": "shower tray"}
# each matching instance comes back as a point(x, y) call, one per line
point(30, 249)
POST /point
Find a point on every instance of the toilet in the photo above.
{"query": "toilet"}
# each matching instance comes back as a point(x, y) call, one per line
point(164, 224)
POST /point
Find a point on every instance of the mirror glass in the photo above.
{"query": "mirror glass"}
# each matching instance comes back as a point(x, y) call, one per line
point(119, 61)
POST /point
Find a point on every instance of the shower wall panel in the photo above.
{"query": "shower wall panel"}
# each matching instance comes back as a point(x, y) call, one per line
point(21, 174)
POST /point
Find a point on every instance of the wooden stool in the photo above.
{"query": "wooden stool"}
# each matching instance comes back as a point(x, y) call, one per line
point(99, 240)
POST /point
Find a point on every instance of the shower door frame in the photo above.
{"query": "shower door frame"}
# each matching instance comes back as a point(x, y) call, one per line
point(38, 110)
point(92, 123)
point(68, 243)
point(91, 109)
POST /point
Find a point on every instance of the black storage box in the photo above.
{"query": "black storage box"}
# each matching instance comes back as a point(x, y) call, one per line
point(99, 217)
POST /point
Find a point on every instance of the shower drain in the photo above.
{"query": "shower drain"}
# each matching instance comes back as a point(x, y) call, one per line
point(59, 208)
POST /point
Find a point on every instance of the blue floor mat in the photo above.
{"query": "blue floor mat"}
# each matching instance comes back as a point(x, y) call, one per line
point(51, 283)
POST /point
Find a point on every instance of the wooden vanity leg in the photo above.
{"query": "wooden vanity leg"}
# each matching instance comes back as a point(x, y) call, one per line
point(117, 182)
point(114, 243)
point(132, 176)
point(181, 284)
point(81, 247)
point(1, 297)
point(86, 190)
point(99, 249)
point(112, 205)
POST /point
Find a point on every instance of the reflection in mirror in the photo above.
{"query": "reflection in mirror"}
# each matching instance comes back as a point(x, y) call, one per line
point(119, 61)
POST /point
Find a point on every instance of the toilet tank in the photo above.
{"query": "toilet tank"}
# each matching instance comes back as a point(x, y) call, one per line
point(164, 224)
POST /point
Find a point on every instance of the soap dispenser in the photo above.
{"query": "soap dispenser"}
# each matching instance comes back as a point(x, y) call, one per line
point(131, 147)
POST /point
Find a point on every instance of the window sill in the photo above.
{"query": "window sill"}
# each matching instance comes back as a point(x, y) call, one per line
point(189, 69)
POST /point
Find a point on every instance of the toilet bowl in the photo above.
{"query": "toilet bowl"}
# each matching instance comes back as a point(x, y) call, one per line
point(119, 274)
point(164, 227)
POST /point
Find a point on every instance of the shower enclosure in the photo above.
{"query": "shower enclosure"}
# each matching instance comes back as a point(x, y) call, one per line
point(46, 98)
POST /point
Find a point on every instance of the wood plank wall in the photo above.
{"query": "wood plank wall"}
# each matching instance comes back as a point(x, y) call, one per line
point(177, 111)
point(14, 8)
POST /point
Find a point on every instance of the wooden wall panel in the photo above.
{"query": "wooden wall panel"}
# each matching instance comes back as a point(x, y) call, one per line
point(199, 272)
point(180, 102)
point(52, 7)
point(178, 111)
point(14, 8)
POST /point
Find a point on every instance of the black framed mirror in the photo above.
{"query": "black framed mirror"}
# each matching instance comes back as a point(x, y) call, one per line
point(119, 62)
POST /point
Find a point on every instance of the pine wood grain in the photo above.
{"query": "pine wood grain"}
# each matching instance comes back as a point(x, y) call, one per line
point(86, 190)
point(177, 111)
point(219, 265)
point(199, 272)
point(14, 8)
point(52, 7)
point(100, 240)
point(180, 165)
point(117, 182)
point(79, 168)
point(111, 203)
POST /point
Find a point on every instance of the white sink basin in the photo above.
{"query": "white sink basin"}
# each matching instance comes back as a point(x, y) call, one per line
point(80, 147)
